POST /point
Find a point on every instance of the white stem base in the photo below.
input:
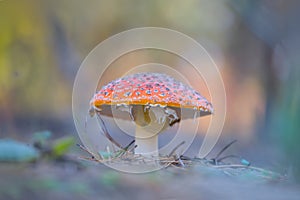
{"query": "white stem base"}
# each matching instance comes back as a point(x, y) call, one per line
point(147, 142)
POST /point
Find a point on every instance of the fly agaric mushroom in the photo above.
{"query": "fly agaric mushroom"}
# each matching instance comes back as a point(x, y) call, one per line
point(153, 101)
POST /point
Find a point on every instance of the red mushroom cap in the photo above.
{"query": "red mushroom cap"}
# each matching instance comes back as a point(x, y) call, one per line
point(150, 89)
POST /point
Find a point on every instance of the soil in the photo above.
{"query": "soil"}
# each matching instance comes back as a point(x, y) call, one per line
point(77, 179)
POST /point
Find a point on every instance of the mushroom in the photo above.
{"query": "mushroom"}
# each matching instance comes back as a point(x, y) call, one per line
point(153, 101)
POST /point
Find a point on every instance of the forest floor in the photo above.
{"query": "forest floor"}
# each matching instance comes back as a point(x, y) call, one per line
point(89, 180)
point(71, 177)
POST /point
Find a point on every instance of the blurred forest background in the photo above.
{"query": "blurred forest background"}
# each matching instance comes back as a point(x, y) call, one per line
point(256, 45)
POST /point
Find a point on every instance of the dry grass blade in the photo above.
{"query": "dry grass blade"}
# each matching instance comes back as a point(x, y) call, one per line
point(92, 158)
point(226, 147)
point(107, 135)
point(173, 151)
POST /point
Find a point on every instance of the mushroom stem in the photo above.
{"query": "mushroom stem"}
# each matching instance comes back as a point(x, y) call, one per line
point(149, 123)
point(147, 142)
